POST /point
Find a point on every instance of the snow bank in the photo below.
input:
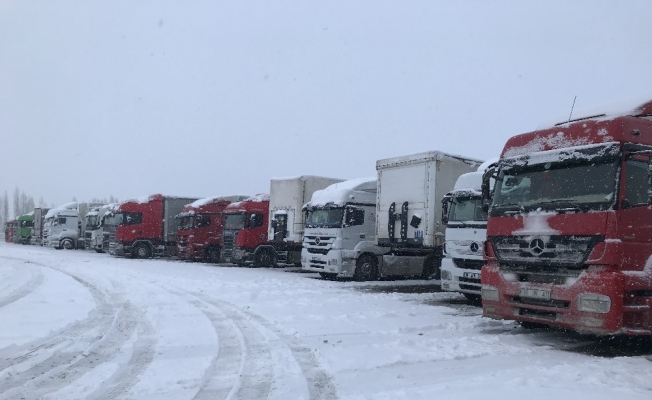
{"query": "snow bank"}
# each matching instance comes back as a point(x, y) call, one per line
point(339, 194)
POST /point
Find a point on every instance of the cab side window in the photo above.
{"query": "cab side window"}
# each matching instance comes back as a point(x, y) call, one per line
point(255, 220)
point(354, 216)
point(203, 220)
point(636, 183)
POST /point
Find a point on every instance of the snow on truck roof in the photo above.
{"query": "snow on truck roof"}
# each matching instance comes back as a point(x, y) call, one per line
point(216, 199)
point(423, 157)
point(634, 108)
point(338, 194)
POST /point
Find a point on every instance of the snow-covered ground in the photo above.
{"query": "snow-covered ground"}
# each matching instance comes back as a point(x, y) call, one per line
point(77, 324)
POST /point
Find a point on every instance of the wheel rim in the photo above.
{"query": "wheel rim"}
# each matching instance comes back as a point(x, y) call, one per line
point(67, 244)
point(213, 255)
point(142, 252)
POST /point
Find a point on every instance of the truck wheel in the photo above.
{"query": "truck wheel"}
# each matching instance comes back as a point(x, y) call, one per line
point(531, 325)
point(474, 299)
point(366, 269)
point(99, 251)
point(326, 275)
point(213, 255)
point(143, 251)
point(265, 258)
point(67, 244)
point(431, 268)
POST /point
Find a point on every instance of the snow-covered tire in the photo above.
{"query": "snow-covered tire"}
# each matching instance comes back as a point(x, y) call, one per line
point(213, 255)
point(142, 251)
point(265, 258)
point(67, 244)
point(366, 268)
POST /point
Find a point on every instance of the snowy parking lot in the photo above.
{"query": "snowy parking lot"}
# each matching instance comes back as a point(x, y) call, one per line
point(78, 324)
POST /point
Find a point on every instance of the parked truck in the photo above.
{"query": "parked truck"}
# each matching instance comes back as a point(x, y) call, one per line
point(201, 225)
point(10, 230)
point(340, 229)
point(409, 218)
point(146, 227)
point(94, 228)
point(39, 221)
point(569, 235)
point(25, 227)
point(466, 232)
point(283, 242)
point(61, 228)
point(245, 227)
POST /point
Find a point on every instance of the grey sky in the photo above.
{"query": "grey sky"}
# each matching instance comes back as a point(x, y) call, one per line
point(202, 98)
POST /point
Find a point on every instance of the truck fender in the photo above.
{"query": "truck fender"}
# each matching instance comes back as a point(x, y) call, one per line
point(369, 247)
point(265, 247)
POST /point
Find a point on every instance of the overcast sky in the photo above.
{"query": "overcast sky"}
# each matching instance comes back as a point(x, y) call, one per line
point(201, 98)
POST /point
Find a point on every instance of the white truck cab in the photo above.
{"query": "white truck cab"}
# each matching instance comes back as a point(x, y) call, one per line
point(94, 222)
point(466, 232)
point(61, 228)
point(340, 229)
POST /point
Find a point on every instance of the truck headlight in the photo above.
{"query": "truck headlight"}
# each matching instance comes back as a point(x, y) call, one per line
point(490, 293)
point(593, 302)
point(446, 275)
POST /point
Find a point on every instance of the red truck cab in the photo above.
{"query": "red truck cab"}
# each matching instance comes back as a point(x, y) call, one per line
point(146, 227)
point(569, 235)
point(245, 227)
point(200, 228)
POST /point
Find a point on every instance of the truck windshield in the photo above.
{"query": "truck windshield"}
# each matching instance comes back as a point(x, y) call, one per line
point(117, 219)
point(325, 218)
point(26, 224)
point(235, 221)
point(187, 222)
point(92, 222)
point(582, 186)
point(466, 209)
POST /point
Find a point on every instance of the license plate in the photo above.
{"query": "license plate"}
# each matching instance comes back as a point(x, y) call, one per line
point(543, 294)
point(472, 275)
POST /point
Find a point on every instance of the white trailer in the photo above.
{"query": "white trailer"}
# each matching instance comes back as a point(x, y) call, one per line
point(286, 218)
point(409, 224)
point(340, 230)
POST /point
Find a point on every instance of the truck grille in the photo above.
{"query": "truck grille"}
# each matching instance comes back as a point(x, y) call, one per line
point(228, 244)
point(544, 251)
point(317, 251)
point(468, 264)
point(320, 241)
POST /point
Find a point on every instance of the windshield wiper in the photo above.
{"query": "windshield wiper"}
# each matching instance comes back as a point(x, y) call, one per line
point(569, 205)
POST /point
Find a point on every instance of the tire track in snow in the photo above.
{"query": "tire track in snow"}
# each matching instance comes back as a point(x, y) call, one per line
point(116, 324)
point(320, 385)
point(242, 368)
point(23, 290)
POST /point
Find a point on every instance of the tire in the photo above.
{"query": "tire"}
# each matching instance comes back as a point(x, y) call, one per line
point(67, 244)
point(142, 251)
point(531, 325)
point(366, 269)
point(99, 251)
point(265, 258)
point(431, 268)
point(213, 255)
point(474, 299)
point(326, 275)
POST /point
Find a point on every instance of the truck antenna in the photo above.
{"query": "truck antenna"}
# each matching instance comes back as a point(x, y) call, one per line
point(572, 107)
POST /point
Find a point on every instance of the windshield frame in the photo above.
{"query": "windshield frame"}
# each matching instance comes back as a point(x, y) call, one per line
point(310, 211)
point(478, 208)
point(559, 204)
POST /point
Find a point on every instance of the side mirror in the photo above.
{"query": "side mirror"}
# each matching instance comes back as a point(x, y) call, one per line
point(445, 202)
point(487, 195)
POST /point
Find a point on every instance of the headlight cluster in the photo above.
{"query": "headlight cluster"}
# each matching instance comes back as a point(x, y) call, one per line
point(446, 275)
point(593, 302)
point(490, 293)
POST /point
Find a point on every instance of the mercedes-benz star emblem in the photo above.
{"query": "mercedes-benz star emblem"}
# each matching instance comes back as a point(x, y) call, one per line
point(537, 246)
point(475, 247)
point(317, 240)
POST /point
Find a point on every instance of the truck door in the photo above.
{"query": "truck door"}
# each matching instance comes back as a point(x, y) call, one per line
point(280, 227)
point(635, 222)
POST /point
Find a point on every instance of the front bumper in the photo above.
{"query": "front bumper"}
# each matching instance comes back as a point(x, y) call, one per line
point(333, 262)
point(457, 281)
point(563, 308)
point(119, 249)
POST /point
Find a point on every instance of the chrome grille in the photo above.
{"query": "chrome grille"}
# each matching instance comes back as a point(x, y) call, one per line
point(228, 244)
point(544, 251)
